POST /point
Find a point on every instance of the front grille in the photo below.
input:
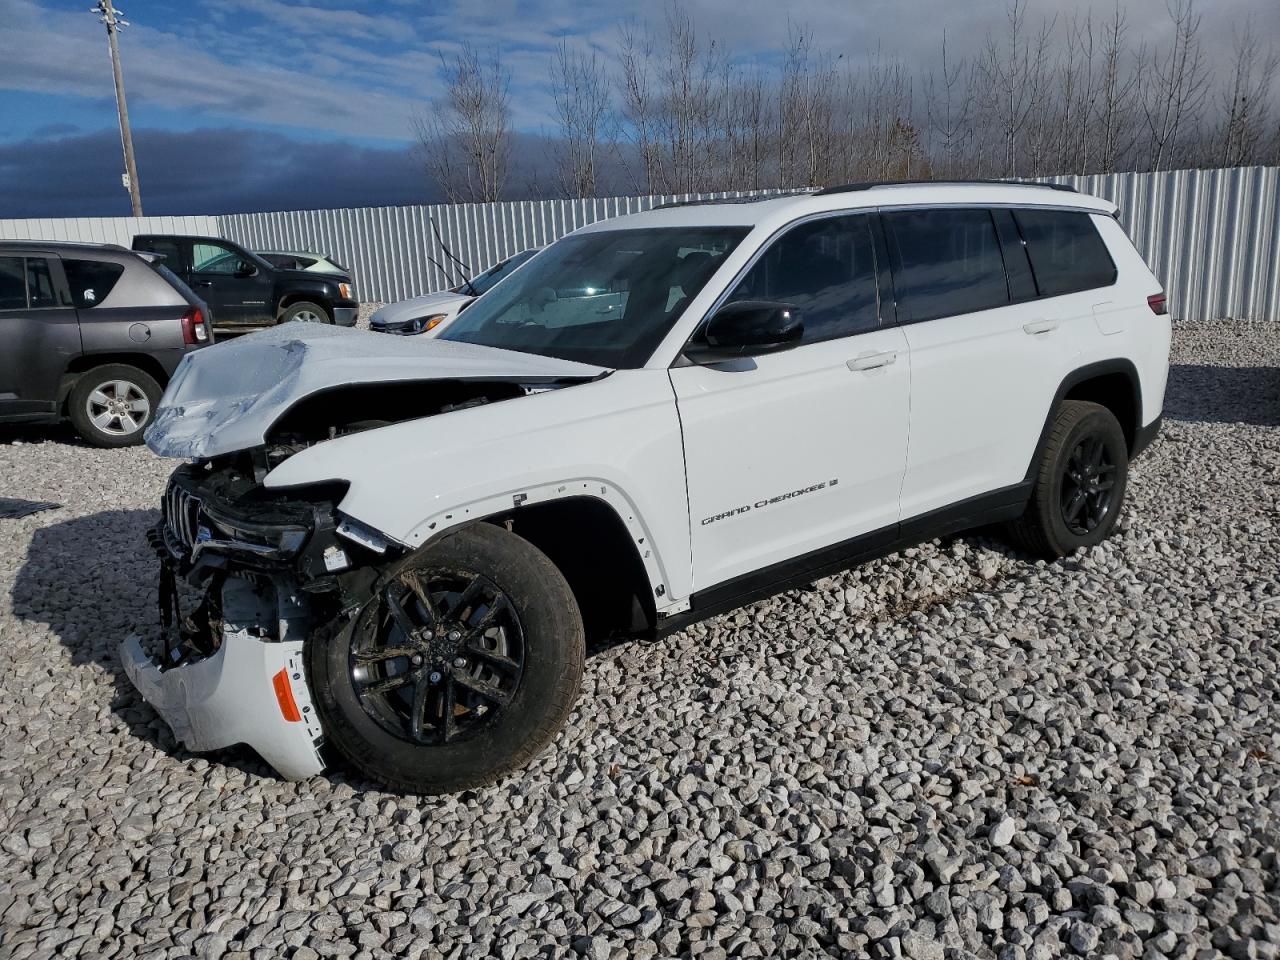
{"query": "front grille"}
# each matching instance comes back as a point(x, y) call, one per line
point(181, 515)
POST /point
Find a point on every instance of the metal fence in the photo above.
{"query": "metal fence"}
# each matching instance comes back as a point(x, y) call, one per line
point(1212, 236)
point(119, 230)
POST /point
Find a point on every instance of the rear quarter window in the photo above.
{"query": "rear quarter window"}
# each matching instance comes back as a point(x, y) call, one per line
point(1067, 254)
point(91, 281)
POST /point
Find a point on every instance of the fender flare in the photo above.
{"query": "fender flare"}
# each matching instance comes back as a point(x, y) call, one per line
point(476, 511)
point(1078, 376)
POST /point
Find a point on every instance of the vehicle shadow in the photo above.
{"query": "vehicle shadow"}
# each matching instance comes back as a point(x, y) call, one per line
point(92, 582)
point(1201, 393)
point(11, 433)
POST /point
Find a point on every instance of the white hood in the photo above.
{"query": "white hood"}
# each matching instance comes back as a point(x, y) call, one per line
point(225, 398)
point(446, 301)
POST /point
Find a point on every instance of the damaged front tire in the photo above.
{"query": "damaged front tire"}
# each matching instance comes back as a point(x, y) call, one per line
point(462, 666)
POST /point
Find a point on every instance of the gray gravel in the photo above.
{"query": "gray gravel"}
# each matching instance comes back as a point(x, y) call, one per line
point(953, 752)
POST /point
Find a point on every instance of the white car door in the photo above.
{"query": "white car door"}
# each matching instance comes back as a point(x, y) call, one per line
point(986, 356)
point(790, 452)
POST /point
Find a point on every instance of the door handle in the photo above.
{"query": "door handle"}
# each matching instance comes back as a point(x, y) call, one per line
point(1038, 327)
point(203, 283)
point(872, 361)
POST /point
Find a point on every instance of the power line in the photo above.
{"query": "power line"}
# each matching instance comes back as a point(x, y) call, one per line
point(114, 20)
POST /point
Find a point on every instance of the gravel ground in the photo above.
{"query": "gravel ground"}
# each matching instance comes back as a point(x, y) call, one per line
point(953, 752)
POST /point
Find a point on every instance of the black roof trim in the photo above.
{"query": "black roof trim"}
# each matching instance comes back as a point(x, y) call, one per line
point(758, 198)
point(872, 184)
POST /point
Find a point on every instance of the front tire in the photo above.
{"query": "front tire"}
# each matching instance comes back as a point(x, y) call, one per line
point(112, 405)
point(461, 668)
point(1079, 483)
point(306, 312)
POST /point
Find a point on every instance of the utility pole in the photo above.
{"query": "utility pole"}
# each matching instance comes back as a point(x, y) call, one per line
point(114, 20)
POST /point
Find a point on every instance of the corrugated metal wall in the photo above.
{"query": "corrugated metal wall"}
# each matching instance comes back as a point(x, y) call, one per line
point(1212, 236)
point(105, 229)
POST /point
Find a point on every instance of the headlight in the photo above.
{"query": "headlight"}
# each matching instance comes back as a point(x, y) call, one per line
point(288, 537)
point(423, 324)
point(344, 291)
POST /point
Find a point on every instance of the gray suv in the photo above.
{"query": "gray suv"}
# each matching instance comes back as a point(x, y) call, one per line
point(92, 333)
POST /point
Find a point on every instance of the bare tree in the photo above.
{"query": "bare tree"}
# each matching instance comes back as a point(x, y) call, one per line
point(580, 89)
point(949, 100)
point(1116, 129)
point(1178, 87)
point(465, 135)
point(1006, 66)
point(1246, 102)
point(638, 105)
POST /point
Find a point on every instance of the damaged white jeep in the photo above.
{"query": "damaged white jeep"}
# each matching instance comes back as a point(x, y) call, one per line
point(398, 546)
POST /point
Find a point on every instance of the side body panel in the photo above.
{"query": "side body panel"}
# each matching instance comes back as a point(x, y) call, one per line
point(617, 439)
point(1126, 325)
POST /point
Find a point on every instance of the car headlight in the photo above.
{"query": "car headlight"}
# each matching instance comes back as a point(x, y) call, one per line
point(284, 536)
point(344, 291)
point(423, 324)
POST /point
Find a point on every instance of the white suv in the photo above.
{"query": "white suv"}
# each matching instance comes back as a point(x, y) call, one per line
point(658, 417)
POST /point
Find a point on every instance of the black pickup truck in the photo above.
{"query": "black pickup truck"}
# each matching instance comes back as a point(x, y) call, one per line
point(243, 290)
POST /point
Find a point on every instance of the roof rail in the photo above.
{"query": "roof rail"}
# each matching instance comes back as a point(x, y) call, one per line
point(872, 184)
point(755, 198)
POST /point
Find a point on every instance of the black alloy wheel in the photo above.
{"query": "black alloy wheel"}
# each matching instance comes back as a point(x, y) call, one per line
point(439, 656)
point(462, 665)
point(1088, 481)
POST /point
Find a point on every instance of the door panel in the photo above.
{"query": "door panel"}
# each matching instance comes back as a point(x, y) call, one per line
point(36, 342)
point(982, 385)
point(792, 452)
point(233, 300)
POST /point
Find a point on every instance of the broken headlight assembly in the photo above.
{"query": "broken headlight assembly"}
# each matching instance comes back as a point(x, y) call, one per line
point(286, 538)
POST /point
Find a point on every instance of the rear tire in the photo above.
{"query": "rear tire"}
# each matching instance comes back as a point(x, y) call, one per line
point(112, 405)
point(1079, 483)
point(461, 668)
point(306, 312)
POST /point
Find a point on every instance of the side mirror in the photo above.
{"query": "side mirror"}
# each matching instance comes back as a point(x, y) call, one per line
point(747, 328)
point(245, 269)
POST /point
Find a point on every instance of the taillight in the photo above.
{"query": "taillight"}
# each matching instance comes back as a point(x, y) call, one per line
point(194, 330)
point(1159, 304)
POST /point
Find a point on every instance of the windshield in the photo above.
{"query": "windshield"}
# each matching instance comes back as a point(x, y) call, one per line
point(605, 298)
point(481, 284)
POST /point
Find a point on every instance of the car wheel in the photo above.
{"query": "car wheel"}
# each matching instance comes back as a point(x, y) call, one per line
point(306, 312)
point(112, 405)
point(460, 669)
point(1079, 484)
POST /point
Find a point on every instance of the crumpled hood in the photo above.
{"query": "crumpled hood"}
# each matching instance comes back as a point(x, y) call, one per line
point(446, 301)
point(225, 398)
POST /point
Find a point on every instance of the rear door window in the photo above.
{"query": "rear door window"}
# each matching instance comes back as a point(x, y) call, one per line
point(1067, 254)
point(13, 283)
point(40, 289)
point(171, 250)
point(827, 270)
point(26, 283)
point(91, 281)
point(945, 262)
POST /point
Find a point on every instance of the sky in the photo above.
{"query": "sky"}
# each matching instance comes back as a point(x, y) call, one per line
point(241, 105)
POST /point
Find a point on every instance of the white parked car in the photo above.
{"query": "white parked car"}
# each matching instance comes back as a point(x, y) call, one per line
point(431, 313)
point(660, 417)
point(303, 260)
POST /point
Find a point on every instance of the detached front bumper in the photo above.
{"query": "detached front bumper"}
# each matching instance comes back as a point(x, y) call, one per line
point(248, 691)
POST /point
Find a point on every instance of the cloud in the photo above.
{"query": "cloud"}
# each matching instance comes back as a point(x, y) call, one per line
point(224, 170)
point(203, 172)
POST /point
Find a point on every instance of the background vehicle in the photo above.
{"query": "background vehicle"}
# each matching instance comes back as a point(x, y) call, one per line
point(244, 290)
point(303, 260)
point(717, 407)
point(431, 313)
point(93, 333)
